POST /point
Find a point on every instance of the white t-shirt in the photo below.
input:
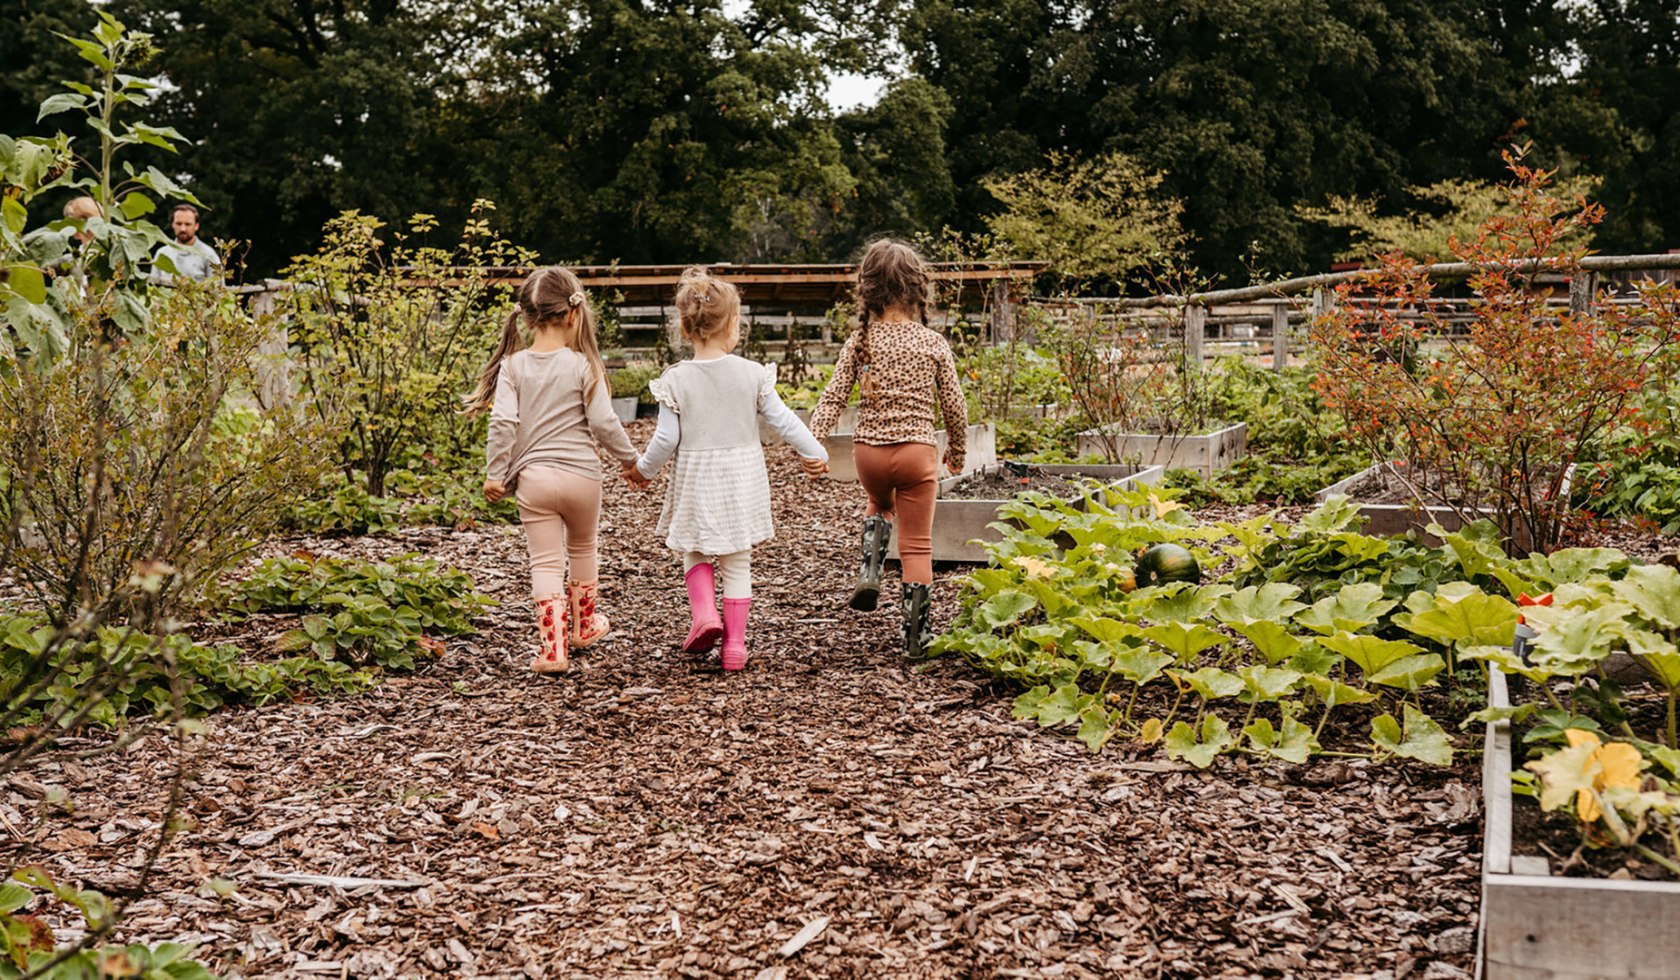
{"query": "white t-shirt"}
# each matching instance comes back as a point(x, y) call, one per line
point(195, 261)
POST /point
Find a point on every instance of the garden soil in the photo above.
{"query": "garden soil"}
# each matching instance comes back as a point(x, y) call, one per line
point(832, 811)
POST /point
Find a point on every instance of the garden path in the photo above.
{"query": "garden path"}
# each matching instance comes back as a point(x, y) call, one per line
point(648, 816)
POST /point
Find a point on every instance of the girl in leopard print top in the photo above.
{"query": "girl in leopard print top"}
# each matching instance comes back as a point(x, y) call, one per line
point(904, 370)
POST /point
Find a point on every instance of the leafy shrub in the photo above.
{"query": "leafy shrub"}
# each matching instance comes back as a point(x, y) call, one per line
point(342, 505)
point(1497, 419)
point(31, 949)
point(368, 613)
point(146, 455)
point(117, 672)
point(388, 338)
point(632, 382)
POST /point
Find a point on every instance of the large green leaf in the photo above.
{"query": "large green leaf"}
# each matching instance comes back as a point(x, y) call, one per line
point(1370, 653)
point(1096, 725)
point(1005, 608)
point(1182, 743)
point(1185, 640)
point(1333, 692)
point(1654, 593)
point(1267, 683)
point(1139, 666)
point(1422, 739)
point(1211, 682)
point(1353, 608)
point(1572, 640)
point(1476, 546)
point(1295, 743)
point(1271, 640)
point(1339, 513)
point(1273, 602)
point(1113, 632)
point(1474, 619)
point(1409, 673)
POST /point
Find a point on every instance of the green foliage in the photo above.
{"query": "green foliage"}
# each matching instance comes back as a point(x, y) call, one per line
point(365, 613)
point(450, 497)
point(1494, 422)
point(149, 456)
point(1096, 219)
point(632, 382)
point(1452, 210)
point(101, 271)
point(29, 944)
point(1244, 660)
point(115, 673)
point(389, 359)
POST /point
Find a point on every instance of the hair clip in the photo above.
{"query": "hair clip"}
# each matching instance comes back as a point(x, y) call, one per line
point(576, 299)
point(705, 297)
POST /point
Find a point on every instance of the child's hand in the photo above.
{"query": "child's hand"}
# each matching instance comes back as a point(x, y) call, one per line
point(814, 468)
point(952, 467)
point(494, 490)
point(634, 477)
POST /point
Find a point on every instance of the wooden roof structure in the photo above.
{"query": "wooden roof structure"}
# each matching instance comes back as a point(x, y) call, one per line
point(792, 286)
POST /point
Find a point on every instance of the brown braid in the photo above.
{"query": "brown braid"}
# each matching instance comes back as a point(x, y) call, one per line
point(890, 274)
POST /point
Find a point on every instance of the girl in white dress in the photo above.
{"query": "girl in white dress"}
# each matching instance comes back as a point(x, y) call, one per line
point(718, 504)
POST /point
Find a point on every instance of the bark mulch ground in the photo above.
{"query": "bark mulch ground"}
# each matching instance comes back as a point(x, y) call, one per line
point(832, 811)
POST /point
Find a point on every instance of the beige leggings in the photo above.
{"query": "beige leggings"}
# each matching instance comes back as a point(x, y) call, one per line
point(559, 510)
point(734, 571)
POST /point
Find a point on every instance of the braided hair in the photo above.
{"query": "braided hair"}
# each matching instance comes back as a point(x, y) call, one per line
point(890, 274)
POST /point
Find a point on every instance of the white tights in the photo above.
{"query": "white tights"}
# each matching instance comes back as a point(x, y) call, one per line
point(734, 570)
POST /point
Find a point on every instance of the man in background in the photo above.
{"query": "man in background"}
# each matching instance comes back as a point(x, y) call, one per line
point(193, 258)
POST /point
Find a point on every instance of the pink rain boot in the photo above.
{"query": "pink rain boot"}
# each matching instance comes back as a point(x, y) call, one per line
point(551, 626)
point(707, 629)
point(735, 632)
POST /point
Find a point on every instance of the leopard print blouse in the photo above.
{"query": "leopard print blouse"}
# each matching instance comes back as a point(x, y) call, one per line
point(913, 368)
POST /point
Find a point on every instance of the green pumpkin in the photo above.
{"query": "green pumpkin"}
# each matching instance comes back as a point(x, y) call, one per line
point(1165, 563)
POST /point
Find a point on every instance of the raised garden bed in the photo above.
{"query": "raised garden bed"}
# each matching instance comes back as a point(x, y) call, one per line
point(968, 505)
point(1386, 510)
point(982, 451)
point(1206, 454)
point(1534, 924)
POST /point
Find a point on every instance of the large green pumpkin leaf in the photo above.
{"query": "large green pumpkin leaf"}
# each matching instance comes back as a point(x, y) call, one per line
point(1211, 682)
point(1113, 632)
point(1573, 640)
point(1273, 602)
point(1096, 725)
point(1409, 673)
point(1139, 666)
point(1267, 683)
point(1270, 640)
point(1295, 743)
point(1182, 743)
point(1422, 738)
point(1474, 619)
point(1476, 546)
point(1354, 608)
point(1654, 593)
point(1333, 692)
point(1370, 653)
point(1186, 640)
point(1005, 608)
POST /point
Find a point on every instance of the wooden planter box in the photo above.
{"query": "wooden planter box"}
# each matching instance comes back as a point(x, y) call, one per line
point(848, 421)
point(1388, 519)
point(959, 526)
point(625, 408)
point(982, 451)
point(1206, 454)
point(1537, 926)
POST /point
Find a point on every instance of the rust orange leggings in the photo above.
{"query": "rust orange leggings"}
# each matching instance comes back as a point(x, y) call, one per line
point(902, 481)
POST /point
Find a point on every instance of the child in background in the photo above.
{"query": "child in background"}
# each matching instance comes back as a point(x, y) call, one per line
point(903, 368)
point(549, 405)
point(718, 503)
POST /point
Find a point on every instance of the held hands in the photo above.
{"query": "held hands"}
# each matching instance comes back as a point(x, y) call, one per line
point(494, 490)
point(634, 477)
point(814, 468)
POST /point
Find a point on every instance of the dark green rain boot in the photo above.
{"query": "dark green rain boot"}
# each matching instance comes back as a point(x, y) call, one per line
point(877, 534)
point(918, 603)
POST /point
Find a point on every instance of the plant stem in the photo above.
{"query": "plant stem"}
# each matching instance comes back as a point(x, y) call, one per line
point(1673, 867)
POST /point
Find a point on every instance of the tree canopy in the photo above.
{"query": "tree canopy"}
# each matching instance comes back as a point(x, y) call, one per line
point(661, 132)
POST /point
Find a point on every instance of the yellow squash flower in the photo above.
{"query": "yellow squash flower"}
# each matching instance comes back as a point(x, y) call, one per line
point(1618, 765)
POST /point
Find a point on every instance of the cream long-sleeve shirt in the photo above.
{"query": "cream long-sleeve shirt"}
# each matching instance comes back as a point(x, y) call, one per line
point(544, 413)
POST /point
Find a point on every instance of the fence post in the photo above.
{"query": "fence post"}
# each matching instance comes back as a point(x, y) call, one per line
point(1195, 331)
point(1003, 313)
point(274, 382)
point(1582, 286)
point(1280, 336)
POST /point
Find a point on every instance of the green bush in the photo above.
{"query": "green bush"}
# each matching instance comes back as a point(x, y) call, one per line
point(632, 382)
